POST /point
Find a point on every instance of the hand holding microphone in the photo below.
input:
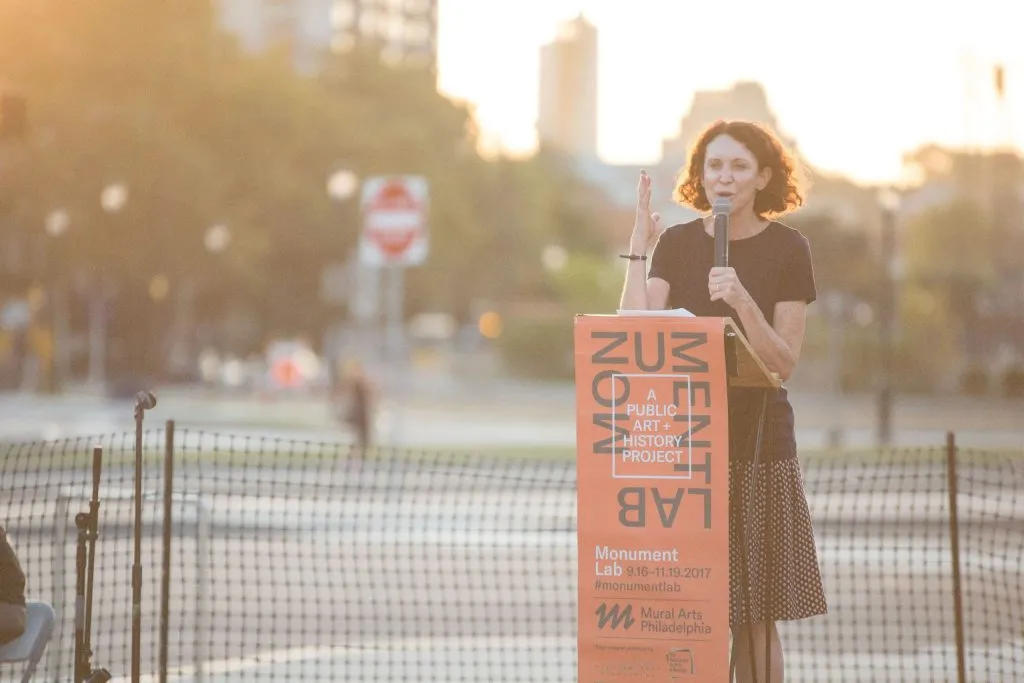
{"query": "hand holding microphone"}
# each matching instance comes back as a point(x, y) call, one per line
point(720, 211)
point(723, 283)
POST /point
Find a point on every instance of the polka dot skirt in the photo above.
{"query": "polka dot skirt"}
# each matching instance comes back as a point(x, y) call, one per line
point(784, 578)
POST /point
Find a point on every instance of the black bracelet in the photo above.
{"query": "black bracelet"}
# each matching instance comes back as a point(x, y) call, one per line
point(634, 257)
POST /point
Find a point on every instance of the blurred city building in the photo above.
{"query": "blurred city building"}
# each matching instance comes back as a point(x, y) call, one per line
point(992, 183)
point(402, 31)
point(850, 203)
point(567, 116)
point(744, 100)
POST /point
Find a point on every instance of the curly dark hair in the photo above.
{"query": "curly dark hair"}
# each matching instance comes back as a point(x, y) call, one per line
point(784, 191)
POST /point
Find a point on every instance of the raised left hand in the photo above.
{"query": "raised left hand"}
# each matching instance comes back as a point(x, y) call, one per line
point(724, 285)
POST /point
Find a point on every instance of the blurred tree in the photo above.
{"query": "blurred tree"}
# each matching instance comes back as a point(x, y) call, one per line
point(950, 243)
point(151, 95)
point(991, 183)
point(926, 349)
point(837, 347)
point(842, 256)
point(949, 269)
point(490, 225)
point(948, 250)
point(589, 284)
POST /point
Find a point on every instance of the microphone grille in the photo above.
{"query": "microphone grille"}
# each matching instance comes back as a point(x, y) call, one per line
point(721, 205)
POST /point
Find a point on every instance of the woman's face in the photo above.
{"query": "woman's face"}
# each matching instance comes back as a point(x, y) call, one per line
point(731, 171)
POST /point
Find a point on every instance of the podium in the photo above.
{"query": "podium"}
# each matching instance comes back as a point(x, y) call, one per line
point(653, 493)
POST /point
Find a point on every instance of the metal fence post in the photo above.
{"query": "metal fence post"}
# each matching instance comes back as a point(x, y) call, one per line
point(202, 598)
point(954, 539)
point(60, 526)
point(165, 574)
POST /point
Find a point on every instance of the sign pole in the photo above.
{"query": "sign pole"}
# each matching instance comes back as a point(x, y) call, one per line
point(393, 332)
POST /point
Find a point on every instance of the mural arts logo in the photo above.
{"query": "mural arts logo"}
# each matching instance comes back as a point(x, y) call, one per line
point(614, 616)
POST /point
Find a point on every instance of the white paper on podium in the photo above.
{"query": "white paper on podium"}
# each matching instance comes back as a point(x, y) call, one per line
point(661, 313)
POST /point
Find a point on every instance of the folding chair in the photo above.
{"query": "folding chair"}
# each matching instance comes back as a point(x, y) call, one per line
point(30, 645)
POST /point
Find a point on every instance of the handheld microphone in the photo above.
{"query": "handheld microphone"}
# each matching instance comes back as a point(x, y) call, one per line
point(720, 210)
point(145, 400)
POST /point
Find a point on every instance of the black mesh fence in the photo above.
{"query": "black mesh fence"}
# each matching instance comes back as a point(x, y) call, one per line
point(883, 530)
point(990, 509)
point(44, 487)
point(295, 561)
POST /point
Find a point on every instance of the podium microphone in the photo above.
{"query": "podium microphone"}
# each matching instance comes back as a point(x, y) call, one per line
point(720, 210)
point(144, 400)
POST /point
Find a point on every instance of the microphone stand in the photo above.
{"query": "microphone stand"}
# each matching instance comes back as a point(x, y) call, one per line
point(143, 401)
point(85, 565)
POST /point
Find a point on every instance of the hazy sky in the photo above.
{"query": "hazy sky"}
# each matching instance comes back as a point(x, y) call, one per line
point(856, 87)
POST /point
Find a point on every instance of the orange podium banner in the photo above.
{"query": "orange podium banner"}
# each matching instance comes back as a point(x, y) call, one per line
point(652, 498)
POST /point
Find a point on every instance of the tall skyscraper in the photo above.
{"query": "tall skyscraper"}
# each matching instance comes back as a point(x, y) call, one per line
point(567, 116)
point(404, 31)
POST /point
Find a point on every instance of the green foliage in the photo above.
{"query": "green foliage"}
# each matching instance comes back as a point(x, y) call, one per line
point(842, 256)
point(974, 381)
point(589, 284)
point(928, 316)
point(149, 94)
point(926, 342)
point(950, 247)
point(539, 347)
point(1013, 381)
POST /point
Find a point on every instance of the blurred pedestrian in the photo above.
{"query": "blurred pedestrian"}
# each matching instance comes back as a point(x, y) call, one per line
point(12, 591)
point(765, 288)
point(355, 402)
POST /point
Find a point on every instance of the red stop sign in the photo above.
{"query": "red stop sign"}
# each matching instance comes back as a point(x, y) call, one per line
point(394, 219)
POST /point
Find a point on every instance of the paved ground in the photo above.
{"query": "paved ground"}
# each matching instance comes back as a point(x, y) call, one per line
point(438, 572)
point(443, 414)
point(445, 572)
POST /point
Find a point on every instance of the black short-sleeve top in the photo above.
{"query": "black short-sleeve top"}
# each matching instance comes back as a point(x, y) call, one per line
point(774, 265)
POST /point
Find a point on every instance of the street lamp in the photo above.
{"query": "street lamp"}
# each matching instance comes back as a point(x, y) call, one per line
point(342, 184)
point(57, 223)
point(554, 257)
point(889, 200)
point(363, 283)
point(112, 199)
point(216, 241)
point(217, 238)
